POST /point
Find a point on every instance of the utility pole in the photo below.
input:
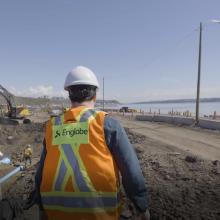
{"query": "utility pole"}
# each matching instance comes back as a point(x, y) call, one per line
point(103, 100)
point(199, 75)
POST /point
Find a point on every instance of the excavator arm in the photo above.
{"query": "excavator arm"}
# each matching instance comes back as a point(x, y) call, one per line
point(10, 101)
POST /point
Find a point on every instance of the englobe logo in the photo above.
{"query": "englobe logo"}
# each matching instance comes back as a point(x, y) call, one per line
point(57, 134)
point(71, 132)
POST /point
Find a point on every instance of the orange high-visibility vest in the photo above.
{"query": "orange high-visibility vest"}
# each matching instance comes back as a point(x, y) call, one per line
point(80, 179)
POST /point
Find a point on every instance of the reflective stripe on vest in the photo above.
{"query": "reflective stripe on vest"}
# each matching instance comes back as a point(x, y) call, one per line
point(70, 163)
point(82, 202)
point(84, 198)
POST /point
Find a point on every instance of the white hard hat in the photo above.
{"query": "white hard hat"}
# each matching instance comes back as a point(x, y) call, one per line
point(81, 76)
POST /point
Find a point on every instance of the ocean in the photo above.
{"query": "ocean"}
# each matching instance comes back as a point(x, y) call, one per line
point(206, 108)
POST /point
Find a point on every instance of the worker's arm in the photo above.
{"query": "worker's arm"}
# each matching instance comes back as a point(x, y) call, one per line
point(127, 162)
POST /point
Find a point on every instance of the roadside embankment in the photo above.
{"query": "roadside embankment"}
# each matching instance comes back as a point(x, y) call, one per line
point(203, 123)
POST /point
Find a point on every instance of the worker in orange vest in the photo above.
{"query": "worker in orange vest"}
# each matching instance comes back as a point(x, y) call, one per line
point(84, 152)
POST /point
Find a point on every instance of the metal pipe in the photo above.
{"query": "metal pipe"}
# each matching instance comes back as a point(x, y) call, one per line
point(10, 174)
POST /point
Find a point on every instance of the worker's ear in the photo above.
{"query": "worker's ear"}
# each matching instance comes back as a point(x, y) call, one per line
point(94, 98)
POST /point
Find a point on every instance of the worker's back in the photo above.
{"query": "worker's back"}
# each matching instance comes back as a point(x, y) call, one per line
point(80, 178)
point(83, 152)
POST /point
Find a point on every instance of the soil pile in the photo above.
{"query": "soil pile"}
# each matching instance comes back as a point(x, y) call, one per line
point(181, 186)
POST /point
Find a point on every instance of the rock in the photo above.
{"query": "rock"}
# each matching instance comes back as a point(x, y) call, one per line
point(167, 177)
point(10, 138)
point(155, 163)
point(185, 178)
point(25, 197)
point(139, 149)
point(215, 162)
point(174, 153)
point(215, 171)
point(126, 214)
point(191, 159)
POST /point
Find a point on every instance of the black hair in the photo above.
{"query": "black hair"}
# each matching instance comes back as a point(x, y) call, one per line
point(81, 93)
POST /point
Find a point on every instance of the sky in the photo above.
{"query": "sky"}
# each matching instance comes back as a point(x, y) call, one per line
point(145, 49)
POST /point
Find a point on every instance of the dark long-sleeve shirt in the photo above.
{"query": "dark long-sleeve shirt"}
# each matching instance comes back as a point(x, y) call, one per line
point(126, 160)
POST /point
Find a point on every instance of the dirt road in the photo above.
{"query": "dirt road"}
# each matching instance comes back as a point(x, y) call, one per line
point(204, 143)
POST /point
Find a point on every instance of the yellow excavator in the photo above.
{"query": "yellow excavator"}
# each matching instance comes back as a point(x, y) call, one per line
point(13, 111)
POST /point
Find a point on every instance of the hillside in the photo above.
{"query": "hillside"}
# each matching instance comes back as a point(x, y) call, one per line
point(54, 101)
point(179, 101)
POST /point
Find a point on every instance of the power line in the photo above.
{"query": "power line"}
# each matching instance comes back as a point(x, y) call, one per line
point(166, 52)
point(172, 49)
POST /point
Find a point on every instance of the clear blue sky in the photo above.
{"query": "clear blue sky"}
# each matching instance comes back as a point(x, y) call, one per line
point(145, 49)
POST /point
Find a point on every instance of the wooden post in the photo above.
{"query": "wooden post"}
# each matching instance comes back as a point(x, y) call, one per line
point(103, 94)
point(199, 74)
point(214, 115)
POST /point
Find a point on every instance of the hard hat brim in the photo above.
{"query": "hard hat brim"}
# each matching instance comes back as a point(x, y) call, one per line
point(80, 83)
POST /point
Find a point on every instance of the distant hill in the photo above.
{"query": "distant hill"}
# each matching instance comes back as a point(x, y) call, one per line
point(107, 102)
point(42, 101)
point(179, 101)
point(54, 101)
point(30, 101)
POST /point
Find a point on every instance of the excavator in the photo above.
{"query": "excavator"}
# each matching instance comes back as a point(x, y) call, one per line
point(13, 112)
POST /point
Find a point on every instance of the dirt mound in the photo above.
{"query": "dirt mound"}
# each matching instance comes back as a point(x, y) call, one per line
point(18, 194)
point(135, 138)
point(13, 139)
point(180, 186)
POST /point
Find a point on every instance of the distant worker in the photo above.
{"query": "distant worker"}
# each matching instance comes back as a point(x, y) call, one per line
point(27, 156)
point(84, 151)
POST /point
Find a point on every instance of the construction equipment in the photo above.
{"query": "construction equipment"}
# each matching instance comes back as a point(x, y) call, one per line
point(13, 112)
point(10, 102)
point(127, 109)
point(22, 111)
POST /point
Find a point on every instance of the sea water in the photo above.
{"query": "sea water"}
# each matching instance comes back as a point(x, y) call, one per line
point(206, 108)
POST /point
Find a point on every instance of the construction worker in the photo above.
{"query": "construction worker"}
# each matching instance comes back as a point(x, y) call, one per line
point(27, 155)
point(84, 152)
